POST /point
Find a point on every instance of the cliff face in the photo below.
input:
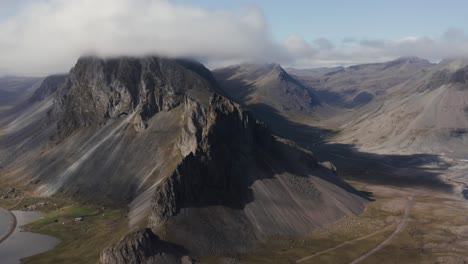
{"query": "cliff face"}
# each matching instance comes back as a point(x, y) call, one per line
point(257, 185)
point(143, 246)
point(211, 174)
point(101, 89)
point(153, 134)
point(48, 87)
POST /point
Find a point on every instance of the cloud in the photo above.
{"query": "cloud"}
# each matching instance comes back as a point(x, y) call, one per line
point(324, 44)
point(47, 36)
point(375, 43)
point(348, 40)
point(453, 43)
point(297, 46)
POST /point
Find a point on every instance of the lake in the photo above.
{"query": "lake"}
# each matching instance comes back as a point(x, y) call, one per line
point(22, 244)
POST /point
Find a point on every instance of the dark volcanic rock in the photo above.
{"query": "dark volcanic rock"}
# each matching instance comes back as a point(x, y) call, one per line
point(99, 89)
point(48, 87)
point(211, 175)
point(143, 246)
point(200, 170)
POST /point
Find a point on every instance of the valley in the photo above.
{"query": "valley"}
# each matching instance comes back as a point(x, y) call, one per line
point(403, 223)
point(287, 184)
point(233, 132)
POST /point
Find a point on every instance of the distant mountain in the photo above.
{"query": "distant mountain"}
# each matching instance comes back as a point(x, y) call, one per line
point(154, 134)
point(357, 85)
point(267, 84)
point(13, 89)
point(426, 113)
point(408, 105)
point(315, 72)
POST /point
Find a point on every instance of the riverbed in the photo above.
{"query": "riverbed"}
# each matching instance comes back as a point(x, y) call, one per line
point(22, 244)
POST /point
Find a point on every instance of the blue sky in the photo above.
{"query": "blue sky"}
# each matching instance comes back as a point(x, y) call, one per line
point(40, 37)
point(366, 19)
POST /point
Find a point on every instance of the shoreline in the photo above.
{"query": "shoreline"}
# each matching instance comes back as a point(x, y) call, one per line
point(22, 244)
point(12, 226)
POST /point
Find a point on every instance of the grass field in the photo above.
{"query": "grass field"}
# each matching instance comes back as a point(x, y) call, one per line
point(82, 241)
point(437, 232)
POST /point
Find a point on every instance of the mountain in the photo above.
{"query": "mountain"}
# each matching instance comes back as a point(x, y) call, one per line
point(314, 72)
point(408, 105)
point(154, 134)
point(13, 89)
point(427, 113)
point(266, 84)
point(358, 85)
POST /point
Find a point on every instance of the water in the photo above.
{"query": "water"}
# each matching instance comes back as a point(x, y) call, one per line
point(6, 220)
point(23, 244)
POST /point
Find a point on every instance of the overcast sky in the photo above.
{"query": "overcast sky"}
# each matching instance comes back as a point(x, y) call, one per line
point(39, 37)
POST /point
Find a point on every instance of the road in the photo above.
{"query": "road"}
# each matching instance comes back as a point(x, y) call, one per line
point(398, 230)
point(401, 226)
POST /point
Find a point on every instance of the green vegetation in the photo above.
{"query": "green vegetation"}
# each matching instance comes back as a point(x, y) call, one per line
point(436, 232)
point(372, 220)
point(82, 241)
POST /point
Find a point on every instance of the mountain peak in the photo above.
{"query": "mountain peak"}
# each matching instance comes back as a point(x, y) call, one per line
point(411, 59)
point(99, 89)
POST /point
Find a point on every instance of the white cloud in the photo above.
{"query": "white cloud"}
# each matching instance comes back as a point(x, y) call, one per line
point(324, 44)
point(451, 44)
point(47, 36)
point(297, 46)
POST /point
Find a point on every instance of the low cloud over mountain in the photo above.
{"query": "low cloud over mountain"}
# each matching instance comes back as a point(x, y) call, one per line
point(42, 37)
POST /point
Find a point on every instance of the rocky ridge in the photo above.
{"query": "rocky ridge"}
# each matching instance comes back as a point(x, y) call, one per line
point(155, 134)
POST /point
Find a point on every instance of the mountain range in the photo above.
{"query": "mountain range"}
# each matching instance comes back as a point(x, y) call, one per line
point(217, 163)
point(158, 135)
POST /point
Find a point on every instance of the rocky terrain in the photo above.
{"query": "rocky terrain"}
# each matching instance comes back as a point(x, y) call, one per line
point(398, 129)
point(417, 107)
point(314, 72)
point(15, 89)
point(143, 246)
point(155, 135)
point(267, 84)
point(358, 85)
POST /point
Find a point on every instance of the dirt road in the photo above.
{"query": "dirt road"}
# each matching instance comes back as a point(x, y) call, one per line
point(401, 226)
point(398, 230)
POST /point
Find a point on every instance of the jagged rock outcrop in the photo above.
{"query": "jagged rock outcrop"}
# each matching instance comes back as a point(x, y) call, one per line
point(231, 156)
point(143, 247)
point(48, 87)
point(100, 89)
point(154, 134)
point(211, 174)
